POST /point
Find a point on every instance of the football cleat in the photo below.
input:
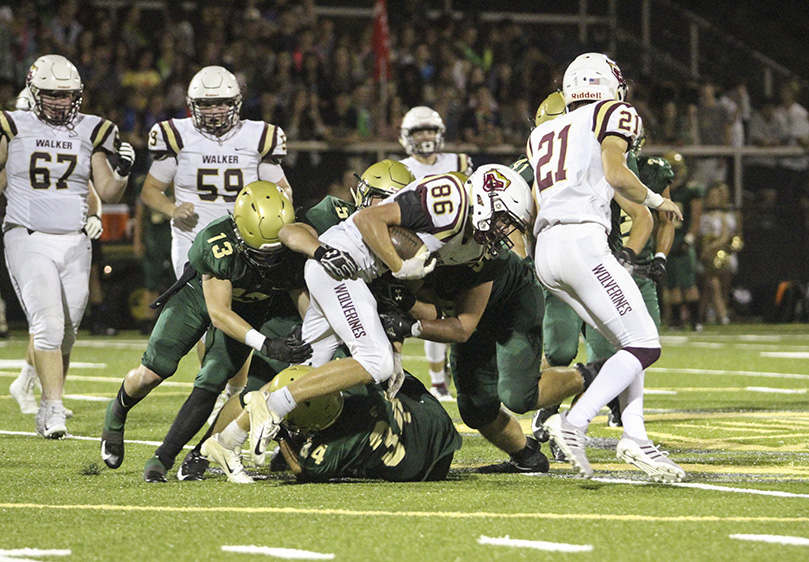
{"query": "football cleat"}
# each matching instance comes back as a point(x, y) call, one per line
point(539, 418)
point(50, 421)
point(571, 441)
point(441, 392)
point(264, 424)
point(193, 466)
point(154, 470)
point(112, 438)
point(614, 417)
point(217, 407)
point(22, 389)
point(647, 457)
point(230, 461)
point(529, 460)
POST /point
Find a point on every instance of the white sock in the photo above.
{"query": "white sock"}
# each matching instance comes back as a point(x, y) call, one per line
point(233, 436)
point(632, 409)
point(281, 401)
point(233, 390)
point(438, 377)
point(617, 373)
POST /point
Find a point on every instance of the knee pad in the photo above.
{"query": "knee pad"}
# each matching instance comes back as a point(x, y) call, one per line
point(477, 415)
point(434, 351)
point(380, 366)
point(49, 332)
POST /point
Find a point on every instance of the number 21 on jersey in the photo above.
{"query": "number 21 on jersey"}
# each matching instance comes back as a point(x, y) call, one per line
point(550, 167)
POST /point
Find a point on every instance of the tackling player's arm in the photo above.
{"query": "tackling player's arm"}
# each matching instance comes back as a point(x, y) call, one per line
point(291, 456)
point(642, 223)
point(299, 237)
point(219, 298)
point(625, 182)
point(469, 307)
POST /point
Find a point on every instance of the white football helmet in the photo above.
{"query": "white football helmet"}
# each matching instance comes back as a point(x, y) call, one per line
point(422, 118)
point(593, 76)
point(211, 87)
point(501, 203)
point(55, 87)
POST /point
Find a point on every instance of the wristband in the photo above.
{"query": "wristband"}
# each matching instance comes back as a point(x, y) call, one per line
point(319, 252)
point(254, 339)
point(652, 200)
point(119, 177)
point(416, 329)
point(660, 255)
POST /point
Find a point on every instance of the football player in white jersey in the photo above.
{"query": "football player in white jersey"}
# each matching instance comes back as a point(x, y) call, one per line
point(209, 157)
point(422, 136)
point(579, 162)
point(50, 154)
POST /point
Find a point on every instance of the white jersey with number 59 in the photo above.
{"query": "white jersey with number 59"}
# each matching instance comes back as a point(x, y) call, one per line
point(565, 153)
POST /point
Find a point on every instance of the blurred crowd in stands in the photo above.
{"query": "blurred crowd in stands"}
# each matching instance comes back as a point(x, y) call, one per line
point(314, 76)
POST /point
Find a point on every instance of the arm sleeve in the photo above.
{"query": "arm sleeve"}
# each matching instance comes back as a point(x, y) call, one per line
point(164, 170)
point(414, 214)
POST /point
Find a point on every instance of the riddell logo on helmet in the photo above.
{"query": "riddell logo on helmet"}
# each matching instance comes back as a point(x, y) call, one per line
point(587, 96)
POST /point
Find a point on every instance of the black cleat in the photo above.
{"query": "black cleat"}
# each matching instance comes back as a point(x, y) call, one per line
point(112, 448)
point(530, 459)
point(538, 421)
point(589, 371)
point(614, 417)
point(193, 467)
point(154, 470)
point(556, 453)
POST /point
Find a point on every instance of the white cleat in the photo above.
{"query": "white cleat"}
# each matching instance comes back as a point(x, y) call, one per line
point(50, 422)
point(647, 457)
point(264, 424)
point(441, 392)
point(229, 461)
point(571, 441)
point(22, 389)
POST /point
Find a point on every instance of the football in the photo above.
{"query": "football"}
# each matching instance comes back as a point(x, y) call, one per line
point(406, 241)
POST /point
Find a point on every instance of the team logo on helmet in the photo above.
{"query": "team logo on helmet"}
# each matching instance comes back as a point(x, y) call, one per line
point(615, 71)
point(493, 180)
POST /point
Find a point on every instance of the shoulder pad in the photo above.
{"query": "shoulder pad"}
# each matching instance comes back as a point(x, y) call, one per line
point(7, 126)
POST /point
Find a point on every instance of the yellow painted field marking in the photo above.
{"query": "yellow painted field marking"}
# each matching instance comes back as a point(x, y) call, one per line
point(443, 514)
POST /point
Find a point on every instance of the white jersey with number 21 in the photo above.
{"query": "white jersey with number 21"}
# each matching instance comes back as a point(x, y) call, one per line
point(569, 184)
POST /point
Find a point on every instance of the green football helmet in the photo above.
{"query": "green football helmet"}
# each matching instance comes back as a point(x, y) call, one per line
point(677, 162)
point(309, 415)
point(551, 107)
point(261, 209)
point(381, 180)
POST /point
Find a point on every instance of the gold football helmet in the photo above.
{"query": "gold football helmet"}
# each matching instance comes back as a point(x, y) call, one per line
point(381, 180)
point(261, 210)
point(551, 107)
point(309, 415)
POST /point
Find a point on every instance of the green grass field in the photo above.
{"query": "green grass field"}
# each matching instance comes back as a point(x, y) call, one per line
point(730, 404)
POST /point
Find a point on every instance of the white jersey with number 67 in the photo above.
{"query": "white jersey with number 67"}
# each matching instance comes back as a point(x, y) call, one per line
point(569, 183)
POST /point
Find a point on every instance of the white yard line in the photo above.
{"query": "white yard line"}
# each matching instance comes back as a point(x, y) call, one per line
point(710, 487)
point(775, 539)
point(18, 364)
point(786, 354)
point(85, 438)
point(721, 372)
point(776, 390)
point(538, 545)
point(285, 553)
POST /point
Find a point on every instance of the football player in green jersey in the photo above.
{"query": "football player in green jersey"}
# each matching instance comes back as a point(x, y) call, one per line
point(236, 262)
point(357, 433)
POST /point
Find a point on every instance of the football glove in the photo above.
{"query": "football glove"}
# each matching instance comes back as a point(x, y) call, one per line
point(626, 258)
point(657, 269)
point(93, 227)
point(289, 349)
point(392, 294)
point(398, 327)
point(126, 157)
point(416, 267)
point(337, 263)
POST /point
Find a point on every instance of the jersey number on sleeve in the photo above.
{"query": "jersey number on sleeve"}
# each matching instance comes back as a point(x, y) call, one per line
point(220, 251)
point(232, 180)
point(40, 176)
point(551, 165)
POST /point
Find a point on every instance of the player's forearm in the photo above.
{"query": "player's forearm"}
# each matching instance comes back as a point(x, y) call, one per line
point(375, 234)
point(157, 200)
point(665, 237)
point(111, 190)
point(299, 238)
point(447, 330)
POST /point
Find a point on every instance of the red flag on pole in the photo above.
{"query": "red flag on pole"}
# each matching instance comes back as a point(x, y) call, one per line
point(381, 41)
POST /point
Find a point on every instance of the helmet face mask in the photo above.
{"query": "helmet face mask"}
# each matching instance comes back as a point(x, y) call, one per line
point(215, 100)
point(422, 131)
point(55, 88)
point(380, 180)
point(593, 77)
point(501, 204)
point(260, 211)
